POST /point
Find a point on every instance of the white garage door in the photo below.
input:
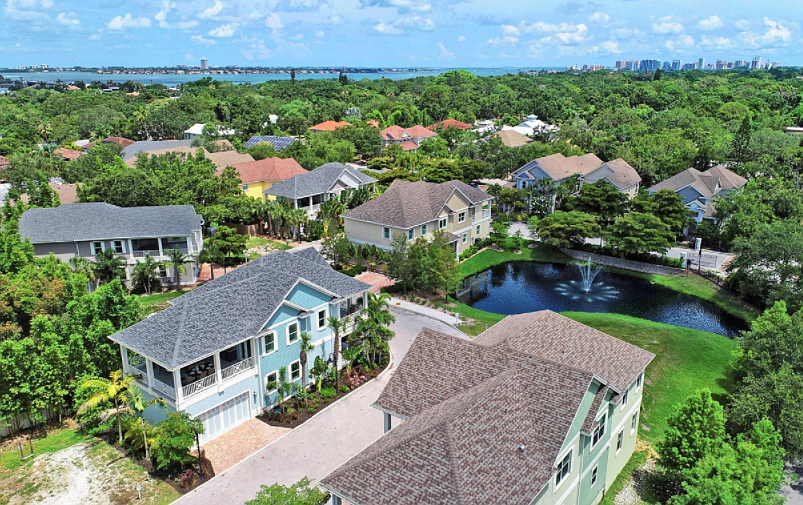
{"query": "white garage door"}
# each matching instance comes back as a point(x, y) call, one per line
point(225, 416)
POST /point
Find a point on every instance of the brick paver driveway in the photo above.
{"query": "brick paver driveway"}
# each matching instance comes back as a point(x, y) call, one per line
point(320, 445)
point(230, 448)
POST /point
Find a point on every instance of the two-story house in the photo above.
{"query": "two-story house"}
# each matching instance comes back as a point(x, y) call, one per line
point(216, 350)
point(309, 190)
point(407, 138)
point(556, 167)
point(537, 410)
point(418, 209)
point(258, 176)
point(700, 189)
point(618, 173)
point(87, 229)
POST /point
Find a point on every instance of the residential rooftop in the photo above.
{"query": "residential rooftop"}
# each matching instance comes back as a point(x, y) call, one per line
point(316, 182)
point(708, 183)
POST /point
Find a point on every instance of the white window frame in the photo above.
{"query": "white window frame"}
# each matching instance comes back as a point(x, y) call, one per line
point(122, 246)
point(411, 234)
point(634, 423)
point(594, 475)
point(298, 333)
point(321, 326)
point(461, 217)
point(290, 371)
point(386, 233)
point(602, 422)
point(92, 247)
point(442, 223)
point(465, 238)
point(638, 380)
point(423, 230)
point(270, 392)
point(620, 441)
point(265, 337)
point(479, 230)
point(569, 455)
point(624, 399)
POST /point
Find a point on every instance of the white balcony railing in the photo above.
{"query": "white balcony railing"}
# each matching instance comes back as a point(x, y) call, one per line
point(198, 386)
point(143, 253)
point(165, 389)
point(237, 368)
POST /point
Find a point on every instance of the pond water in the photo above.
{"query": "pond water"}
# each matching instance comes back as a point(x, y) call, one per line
point(523, 286)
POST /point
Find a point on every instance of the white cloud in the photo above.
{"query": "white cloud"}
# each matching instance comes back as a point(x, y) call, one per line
point(161, 18)
point(223, 31)
point(95, 36)
point(667, 25)
point(320, 33)
point(27, 10)
point(211, 12)
point(461, 38)
point(775, 34)
point(128, 22)
point(445, 53)
point(510, 36)
point(68, 19)
point(611, 46)
point(200, 39)
point(387, 28)
point(711, 23)
point(680, 43)
point(257, 50)
point(274, 22)
point(565, 34)
point(742, 24)
point(716, 42)
point(600, 18)
point(405, 22)
point(626, 33)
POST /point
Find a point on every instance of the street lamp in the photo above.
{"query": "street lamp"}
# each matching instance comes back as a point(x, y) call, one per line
point(331, 361)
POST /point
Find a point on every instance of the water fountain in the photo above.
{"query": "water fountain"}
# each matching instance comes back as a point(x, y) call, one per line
point(582, 289)
point(588, 271)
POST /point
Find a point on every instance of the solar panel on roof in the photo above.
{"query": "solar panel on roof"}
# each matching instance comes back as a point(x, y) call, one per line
point(278, 143)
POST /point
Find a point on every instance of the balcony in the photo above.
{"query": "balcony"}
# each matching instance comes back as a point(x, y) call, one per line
point(146, 252)
point(202, 375)
point(237, 368)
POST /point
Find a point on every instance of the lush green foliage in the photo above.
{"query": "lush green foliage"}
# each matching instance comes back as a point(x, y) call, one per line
point(695, 429)
point(565, 229)
point(174, 438)
point(300, 493)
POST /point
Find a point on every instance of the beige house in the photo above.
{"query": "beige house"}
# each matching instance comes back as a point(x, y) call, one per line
point(418, 209)
point(618, 173)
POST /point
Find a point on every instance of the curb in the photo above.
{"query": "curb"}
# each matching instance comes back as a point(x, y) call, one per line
point(394, 306)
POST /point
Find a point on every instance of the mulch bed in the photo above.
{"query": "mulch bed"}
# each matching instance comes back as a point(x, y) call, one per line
point(297, 413)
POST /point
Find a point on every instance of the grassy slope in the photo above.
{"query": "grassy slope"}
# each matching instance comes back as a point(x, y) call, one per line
point(159, 298)
point(259, 241)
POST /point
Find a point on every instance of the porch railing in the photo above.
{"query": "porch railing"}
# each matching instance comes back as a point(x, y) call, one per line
point(143, 253)
point(167, 390)
point(198, 386)
point(237, 368)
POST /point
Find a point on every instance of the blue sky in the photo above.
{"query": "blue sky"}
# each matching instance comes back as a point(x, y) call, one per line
point(412, 33)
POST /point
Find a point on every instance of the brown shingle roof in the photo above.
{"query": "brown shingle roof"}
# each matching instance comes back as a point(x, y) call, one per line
point(220, 159)
point(590, 422)
point(704, 182)
point(512, 138)
point(406, 204)
point(268, 169)
point(460, 444)
point(118, 140)
point(559, 167)
point(618, 171)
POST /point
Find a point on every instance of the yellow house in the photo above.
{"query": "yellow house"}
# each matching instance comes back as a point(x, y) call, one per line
point(258, 176)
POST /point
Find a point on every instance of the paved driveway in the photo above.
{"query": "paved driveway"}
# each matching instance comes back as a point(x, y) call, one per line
point(323, 443)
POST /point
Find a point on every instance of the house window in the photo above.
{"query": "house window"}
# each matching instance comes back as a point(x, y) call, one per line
point(619, 439)
point(564, 469)
point(295, 370)
point(461, 217)
point(410, 234)
point(633, 423)
point(162, 271)
point(599, 431)
point(423, 229)
point(594, 476)
point(97, 248)
point(272, 382)
point(638, 381)
point(292, 333)
point(270, 342)
point(386, 233)
point(245, 187)
point(624, 399)
point(118, 246)
point(478, 230)
point(442, 223)
point(465, 238)
point(321, 319)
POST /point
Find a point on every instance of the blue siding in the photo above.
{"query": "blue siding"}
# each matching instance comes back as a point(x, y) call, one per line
point(306, 296)
point(282, 314)
point(154, 414)
point(230, 392)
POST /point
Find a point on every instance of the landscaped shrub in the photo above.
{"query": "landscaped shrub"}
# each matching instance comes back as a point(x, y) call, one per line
point(354, 270)
point(173, 439)
point(328, 393)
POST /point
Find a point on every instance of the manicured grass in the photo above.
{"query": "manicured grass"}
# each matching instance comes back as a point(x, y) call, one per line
point(54, 441)
point(260, 241)
point(685, 360)
point(159, 298)
point(489, 258)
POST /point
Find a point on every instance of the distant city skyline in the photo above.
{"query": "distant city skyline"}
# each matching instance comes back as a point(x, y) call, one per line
point(394, 33)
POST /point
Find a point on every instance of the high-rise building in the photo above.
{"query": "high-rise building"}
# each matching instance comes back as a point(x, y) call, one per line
point(701, 63)
point(204, 64)
point(756, 63)
point(667, 66)
point(677, 64)
point(650, 65)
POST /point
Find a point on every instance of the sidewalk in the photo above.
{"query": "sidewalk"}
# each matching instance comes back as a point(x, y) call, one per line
point(451, 320)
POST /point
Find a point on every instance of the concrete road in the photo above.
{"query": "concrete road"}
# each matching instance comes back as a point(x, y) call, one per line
point(323, 443)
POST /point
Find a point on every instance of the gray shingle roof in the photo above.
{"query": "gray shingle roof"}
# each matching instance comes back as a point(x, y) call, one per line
point(559, 167)
point(460, 443)
point(704, 182)
point(406, 204)
point(316, 182)
point(153, 145)
point(230, 308)
point(94, 221)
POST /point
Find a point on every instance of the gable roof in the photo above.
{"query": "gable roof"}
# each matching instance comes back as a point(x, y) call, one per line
point(221, 159)
point(131, 150)
point(450, 123)
point(230, 308)
point(268, 169)
point(704, 182)
point(559, 167)
point(406, 204)
point(68, 154)
point(316, 182)
point(512, 138)
point(398, 133)
point(618, 172)
point(278, 143)
point(118, 140)
point(95, 221)
point(329, 126)
point(464, 425)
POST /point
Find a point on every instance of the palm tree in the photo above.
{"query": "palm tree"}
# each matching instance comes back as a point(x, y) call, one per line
point(210, 254)
point(81, 265)
point(338, 325)
point(146, 273)
point(306, 346)
point(277, 212)
point(294, 219)
point(330, 211)
point(112, 390)
point(374, 325)
point(141, 116)
point(281, 386)
point(177, 260)
point(137, 405)
point(107, 266)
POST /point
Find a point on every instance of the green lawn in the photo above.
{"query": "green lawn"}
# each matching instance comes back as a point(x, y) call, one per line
point(160, 298)
point(260, 241)
point(488, 258)
point(54, 441)
point(685, 360)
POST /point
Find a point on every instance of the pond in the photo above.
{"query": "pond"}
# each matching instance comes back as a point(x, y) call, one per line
point(523, 286)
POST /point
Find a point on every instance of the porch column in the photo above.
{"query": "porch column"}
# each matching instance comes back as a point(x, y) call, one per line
point(124, 355)
point(149, 369)
point(130, 248)
point(159, 241)
point(179, 388)
point(218, 376)
point(387, 422)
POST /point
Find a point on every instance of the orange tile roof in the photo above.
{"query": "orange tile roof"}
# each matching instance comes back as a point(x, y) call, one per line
point(372, 122)
point(118, 140)
point(269, 169)
point(68, 154)
point(329, 126)
point(408, 145)
point(397, 132)
point(453, 123)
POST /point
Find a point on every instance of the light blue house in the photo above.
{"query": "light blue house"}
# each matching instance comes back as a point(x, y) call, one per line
point(212, 353)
